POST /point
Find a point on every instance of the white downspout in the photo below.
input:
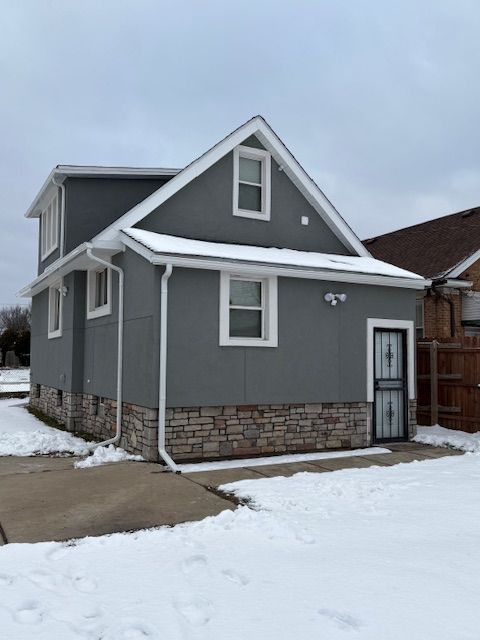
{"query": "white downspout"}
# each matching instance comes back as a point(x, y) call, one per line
point(118, 431)
point(162, 374)
point(62, 215)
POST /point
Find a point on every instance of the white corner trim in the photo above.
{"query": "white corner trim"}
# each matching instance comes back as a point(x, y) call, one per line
point(270, 314)
point(383, 323)
point(106, 309)
point(255, 126)
point(58, 333)
point(264, 157)
point(462, 266)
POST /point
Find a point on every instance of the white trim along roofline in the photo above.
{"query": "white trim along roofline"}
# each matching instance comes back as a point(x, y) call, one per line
point(269, 270)
point(256, 126)
point(63, 171)
point(463, 265)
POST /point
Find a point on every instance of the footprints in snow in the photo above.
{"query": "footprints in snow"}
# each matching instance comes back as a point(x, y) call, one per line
point(198, 611)
point(341, 619)
point(30, 612)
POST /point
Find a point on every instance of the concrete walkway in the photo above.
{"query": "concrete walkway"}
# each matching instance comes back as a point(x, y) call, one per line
point(44, 498)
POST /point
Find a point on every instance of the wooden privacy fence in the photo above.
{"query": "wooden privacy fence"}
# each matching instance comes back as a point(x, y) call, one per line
point(448, 377)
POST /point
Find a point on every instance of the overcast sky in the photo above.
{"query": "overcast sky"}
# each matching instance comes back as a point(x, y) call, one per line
point(378, 100)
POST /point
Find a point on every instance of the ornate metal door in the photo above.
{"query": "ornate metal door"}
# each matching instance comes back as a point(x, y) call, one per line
point(390, 407)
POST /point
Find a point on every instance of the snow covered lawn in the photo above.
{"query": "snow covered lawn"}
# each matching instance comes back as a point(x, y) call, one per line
point(14, 380)
point(22, 434)
point(370, 554)
point(438, 436)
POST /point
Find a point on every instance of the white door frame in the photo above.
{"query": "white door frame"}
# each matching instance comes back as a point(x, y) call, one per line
point(383, 323)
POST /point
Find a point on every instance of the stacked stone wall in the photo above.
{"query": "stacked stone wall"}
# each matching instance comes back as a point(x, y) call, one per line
point(202, 433)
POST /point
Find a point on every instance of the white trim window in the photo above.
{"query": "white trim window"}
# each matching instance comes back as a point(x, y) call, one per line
point(55, 310)
point(49, 228)
point(248, 311)
point(99, 292)
point(382, 323)
point(420, 318)
point(251, 183)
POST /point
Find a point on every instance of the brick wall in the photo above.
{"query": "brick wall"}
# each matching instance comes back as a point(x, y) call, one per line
point(198, 433)
point(437, 315)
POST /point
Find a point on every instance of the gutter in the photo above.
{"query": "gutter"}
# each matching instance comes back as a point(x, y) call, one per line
point(162, 374)
point(118, 431)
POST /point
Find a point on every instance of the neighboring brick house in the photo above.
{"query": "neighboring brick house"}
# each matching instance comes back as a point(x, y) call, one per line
point(446, 251)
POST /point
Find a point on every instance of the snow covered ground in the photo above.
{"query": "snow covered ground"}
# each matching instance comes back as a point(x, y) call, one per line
point(438, 436)
point(216, 465)
point(14, 380)
point(21, 434)
point(367, 554)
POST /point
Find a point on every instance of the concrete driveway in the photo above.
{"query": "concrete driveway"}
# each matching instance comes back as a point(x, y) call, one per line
point(44, 498)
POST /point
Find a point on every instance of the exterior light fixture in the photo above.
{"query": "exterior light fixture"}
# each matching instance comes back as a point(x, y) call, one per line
point(334, 298)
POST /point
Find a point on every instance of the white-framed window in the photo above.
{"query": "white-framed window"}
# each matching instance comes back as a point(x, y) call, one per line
point(420, 318)
point(55, 309)
point(248, 311)
point(251, 183)
point(99, 292)
point(49, 228)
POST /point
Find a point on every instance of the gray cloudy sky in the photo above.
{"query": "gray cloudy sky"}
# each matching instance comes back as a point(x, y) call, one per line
point(378, 99)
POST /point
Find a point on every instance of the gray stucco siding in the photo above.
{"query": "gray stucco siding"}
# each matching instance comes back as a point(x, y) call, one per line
point(203, 210)
point(321, 354)
point(94, 203)
point(84, 358)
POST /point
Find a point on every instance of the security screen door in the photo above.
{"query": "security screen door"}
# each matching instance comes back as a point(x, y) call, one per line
point(390, 407)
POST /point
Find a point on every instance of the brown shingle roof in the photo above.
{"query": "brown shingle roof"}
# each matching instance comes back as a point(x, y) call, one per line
point(432, 248)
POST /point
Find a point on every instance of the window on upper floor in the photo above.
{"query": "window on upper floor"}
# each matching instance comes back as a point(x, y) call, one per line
point(248, 311)
point(251, 183)
point(49, 228)
point(99, 292)
point(55, 310)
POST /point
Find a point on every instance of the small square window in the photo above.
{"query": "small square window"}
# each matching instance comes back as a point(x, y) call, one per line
point(55, 309)
point(251, 183)
point(248, 311)
point(99, 292)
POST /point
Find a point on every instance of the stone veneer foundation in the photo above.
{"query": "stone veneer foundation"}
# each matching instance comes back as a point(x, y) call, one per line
point(201, 433)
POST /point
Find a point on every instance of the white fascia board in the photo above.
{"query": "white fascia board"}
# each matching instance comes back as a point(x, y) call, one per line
point(462, 266)
point(68, 263)
point(454, 283)
point(263, 269)
point(256, 126)
point(64, 171)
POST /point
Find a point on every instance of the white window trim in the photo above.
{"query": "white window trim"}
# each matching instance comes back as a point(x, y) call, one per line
point(57, 333)
point(382, 323)
point(264, 157)
point(45, 248)
point(105, 309)
point(270, 313)
point(422, 326)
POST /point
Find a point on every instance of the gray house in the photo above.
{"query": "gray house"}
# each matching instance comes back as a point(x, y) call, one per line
point(225, 309)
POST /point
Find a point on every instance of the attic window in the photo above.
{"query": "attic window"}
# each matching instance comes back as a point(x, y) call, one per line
point(251, 183)
point(49, 228)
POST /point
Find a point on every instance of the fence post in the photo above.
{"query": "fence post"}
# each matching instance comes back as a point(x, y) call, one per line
point(434, 382)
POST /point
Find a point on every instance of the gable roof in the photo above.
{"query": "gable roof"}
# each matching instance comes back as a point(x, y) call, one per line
point(256, 126)
point(438, 248)
point(160, 248)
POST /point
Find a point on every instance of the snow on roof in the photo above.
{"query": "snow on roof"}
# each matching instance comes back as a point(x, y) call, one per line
point(165, 244)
